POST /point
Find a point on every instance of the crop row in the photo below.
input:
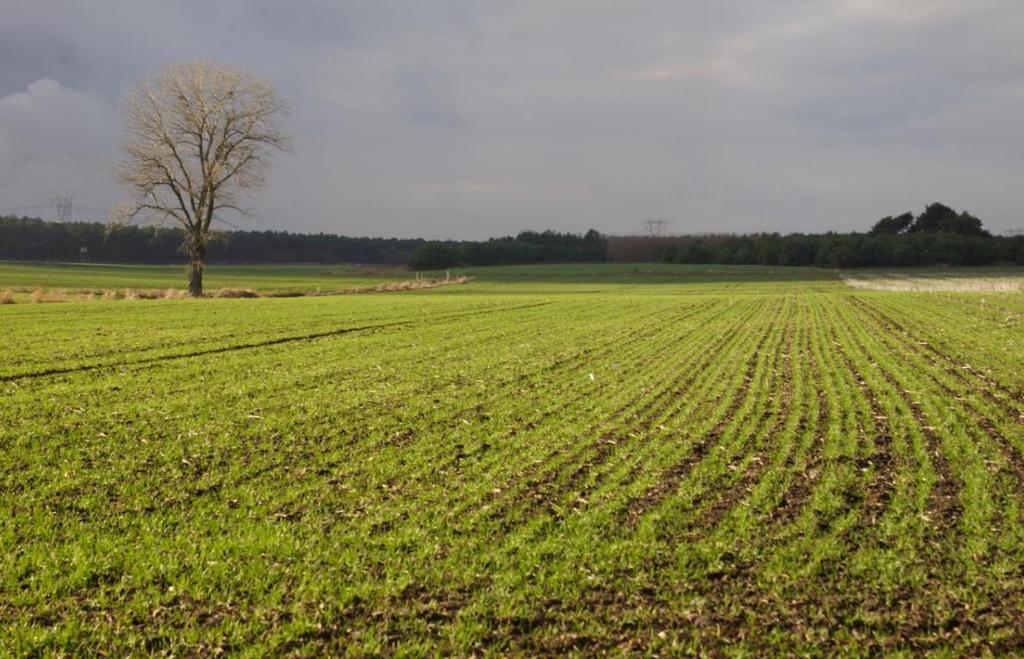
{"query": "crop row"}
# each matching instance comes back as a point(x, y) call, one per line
point(796, 469)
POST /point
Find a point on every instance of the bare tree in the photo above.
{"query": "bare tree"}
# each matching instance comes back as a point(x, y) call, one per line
point(198, 135)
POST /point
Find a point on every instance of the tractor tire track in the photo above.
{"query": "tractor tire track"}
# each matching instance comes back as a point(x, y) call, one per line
point(149, 361)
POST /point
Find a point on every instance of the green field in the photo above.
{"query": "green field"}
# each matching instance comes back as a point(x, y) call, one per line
point(585, 459)
point(90, 276)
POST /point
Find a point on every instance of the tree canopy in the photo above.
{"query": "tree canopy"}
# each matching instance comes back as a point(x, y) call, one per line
point(198, 136)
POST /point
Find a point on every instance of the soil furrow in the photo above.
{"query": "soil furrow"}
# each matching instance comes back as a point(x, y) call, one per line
point(540, 494)
point(944, 505)
point(731, 495)
point(670, 479)
point(879, 490)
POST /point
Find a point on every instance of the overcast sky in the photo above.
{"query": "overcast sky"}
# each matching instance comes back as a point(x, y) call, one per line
point(469, 118)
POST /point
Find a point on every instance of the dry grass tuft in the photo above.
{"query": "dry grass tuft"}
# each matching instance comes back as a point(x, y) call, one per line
point(410, 285)
point(147, 294)
point(40, 296)
point(235, 293)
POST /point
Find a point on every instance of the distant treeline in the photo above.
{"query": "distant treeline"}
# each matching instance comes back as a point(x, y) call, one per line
point(830, 250)
point(938, 236)
point(526, 247)
point(29, 239)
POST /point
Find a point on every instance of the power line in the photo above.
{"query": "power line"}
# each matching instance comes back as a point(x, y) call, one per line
point(63, 202)
point(24, 208)
point(87, 209)
point(93, 210)
point(230, 224)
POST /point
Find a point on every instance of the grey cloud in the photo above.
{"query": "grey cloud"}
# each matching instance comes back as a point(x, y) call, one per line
point(476, 118)
point(25, 58)
point(424, 95)
point(53, 138)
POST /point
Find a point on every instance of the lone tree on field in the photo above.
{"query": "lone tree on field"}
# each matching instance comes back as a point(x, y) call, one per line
point(198, 135)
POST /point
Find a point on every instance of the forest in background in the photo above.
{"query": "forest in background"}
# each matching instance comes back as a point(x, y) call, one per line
point(937, 236)
point(33, 239)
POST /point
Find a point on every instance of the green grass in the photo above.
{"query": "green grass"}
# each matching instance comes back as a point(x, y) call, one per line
point(89, 276)
point(643, 273)
point(617, 459)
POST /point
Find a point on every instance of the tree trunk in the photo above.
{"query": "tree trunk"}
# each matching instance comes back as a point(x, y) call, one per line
point(197, 260)
point(195, 279)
